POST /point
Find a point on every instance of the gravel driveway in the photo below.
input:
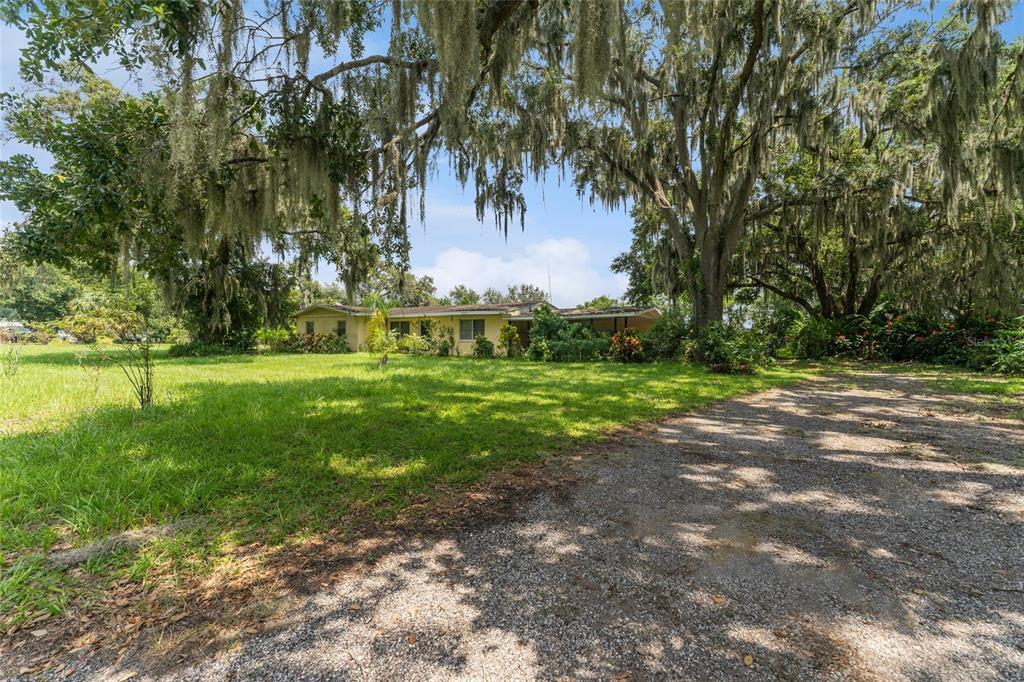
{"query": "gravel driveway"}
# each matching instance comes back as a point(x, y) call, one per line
point(859, 527)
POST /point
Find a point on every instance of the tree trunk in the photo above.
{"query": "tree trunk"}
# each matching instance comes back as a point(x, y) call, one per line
point(709, 305)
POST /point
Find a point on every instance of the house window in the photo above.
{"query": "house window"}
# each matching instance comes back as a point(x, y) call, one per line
point(309, 326)
point(401, 327)
point(424, 328)
point(341, 328)
point(470, 329)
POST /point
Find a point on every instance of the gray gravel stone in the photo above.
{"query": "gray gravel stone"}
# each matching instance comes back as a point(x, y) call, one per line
point(860, 527)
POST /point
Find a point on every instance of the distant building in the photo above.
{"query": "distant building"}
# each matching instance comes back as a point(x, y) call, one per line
point(466, 321)
point(14, 327)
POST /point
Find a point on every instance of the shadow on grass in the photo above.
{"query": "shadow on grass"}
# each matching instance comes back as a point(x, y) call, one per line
point(286, 454)
point(73, 356)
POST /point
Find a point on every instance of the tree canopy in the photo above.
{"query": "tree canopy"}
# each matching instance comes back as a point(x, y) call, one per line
point(813, 148)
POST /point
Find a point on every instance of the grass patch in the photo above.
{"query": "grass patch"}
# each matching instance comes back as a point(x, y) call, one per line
point(274, 448)
point(982, 384)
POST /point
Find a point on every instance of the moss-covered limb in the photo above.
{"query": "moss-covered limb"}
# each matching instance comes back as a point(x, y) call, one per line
point(683, 106)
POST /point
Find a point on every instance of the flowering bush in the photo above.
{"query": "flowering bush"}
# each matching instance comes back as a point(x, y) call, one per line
point(988, 344)
point(626, 346)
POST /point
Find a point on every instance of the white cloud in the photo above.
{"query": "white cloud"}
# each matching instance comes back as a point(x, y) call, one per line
point(574, 278)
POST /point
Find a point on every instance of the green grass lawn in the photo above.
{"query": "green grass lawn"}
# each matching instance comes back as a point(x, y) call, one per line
point(276, 448)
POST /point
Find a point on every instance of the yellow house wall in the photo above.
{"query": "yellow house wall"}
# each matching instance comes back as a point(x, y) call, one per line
point(492, 326)
point(326, 322)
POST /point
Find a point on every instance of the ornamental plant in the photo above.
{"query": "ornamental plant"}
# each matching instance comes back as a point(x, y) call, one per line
point(508, 341)
point(626, 346)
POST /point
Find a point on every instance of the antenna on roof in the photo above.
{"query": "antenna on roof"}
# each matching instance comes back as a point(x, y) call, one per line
point(549, 281)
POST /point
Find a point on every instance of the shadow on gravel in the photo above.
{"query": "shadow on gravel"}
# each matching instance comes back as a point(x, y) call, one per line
point(865, 529)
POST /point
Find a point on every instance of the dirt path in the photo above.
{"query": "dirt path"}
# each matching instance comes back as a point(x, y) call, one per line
point(862, 527)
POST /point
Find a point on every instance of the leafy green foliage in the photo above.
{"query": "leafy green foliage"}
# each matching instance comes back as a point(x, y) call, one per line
point(889, 335)
point(201, 349)
point(415, 344)
point(463, 295)
point(483, 347)
point(287, 340)
point(37, 293)
point(508, 341)
point(728, 350)
point(664, 339)
point(553, 338)
point(321, 343)
point(395, 287)
point(601, 301)
point(815, 337)
point(381, 340)
point(517, 293)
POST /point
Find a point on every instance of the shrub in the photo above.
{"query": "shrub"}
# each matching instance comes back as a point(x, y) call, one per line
point(664, 340)
point(1004, 353)
point(483, 347)
point(775, 326)
point(729, 350)
point(980, 344)
point(317, 343)
point(815, 338)
point(546, 324)
point(554, 338)
point(508, 341)
point(277, 340)
point(88, 325)
point(579, 349)
point(380, 339)
point(444, 342)
point(178, 335)
point(626, 347)
point(413, 344)
point(40, 336)
point(10, 360)
point(539, 350)
point(136, 361)
point(199, 349)
point(1010, 360)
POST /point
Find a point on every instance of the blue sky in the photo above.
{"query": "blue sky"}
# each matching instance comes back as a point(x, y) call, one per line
point(565, 238)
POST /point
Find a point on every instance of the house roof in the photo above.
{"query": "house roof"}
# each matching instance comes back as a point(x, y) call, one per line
point(334, 307)
point(617, 311)
point(521, 311)
point(428, 310)
point(479, 309)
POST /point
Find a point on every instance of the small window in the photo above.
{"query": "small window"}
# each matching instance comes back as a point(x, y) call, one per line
point(341, 328)
point(401, 327)
point(424, 328)
point(309, 326)
point(470, 329)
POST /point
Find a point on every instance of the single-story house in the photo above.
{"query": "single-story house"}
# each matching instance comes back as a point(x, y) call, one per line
point(466, 322)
